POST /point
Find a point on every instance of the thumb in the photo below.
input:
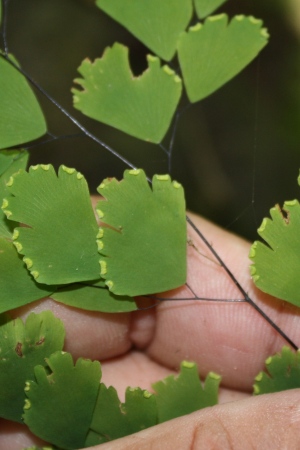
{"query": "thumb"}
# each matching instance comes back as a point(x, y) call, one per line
point(266, 421)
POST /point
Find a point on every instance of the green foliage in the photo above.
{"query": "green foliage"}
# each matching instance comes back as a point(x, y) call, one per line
point(10, 162)
point(156, 23)
point(282, 373)
point(18, 288)
point(95, 297)
point(60, 404)
point(141, 106)
point(23, 346)
point(59, 243)
point(144, 248)
point(177, 396)
point(142, 240)
point(222, 50)
point(67, 405)
point(206, 7)
point(275, 265)
point(121, 419)
point(21, 118)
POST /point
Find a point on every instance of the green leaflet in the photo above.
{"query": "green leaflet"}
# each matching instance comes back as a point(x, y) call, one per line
point(156, 23)
point(10, 162)
point(212, 53)
point(113, 419)
point(23, 346)
point(177, 396)
point(205, 7)
point(276, 265)
point(140, 106)
point(59, 244)
point(21, 118)
point(60, 403)
point(282, 373)
point(18, 288)
point(95, 297)
point(144, 250)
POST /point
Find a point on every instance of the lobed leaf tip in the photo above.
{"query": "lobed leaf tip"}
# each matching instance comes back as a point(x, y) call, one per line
point(28, 262)
point(100, 245)
point(219, 17)
point(100, 213)
point(240, 17)
point(177, 79)
point(79, 176)
point(10, 182)
point(35, 274)
point(134, 171)
point(255, 278)
point(162, 177)
point(109, 284)
point(176, 185)
point(256, 389)
point(4, 204)
point(68, 170)
point(18, 246)
point(259, 377)
point(168, 70)
point(36, 167)
point(214, 376)
point(103, 267)
point(45, 167)
point(262, 228)
point(252, 270)
point(268, 360)
point(147, 394)
point(15, 235)
point(252, 251)
point(27, 386)
point(27, 404)
point(100, 233)
point(188, 364)
point(290, 203)
point(102, 186)
point(196, 27)
point(7, 213)
point(254, 20)
point(152, 58)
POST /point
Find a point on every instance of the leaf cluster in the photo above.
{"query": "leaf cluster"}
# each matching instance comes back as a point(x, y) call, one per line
point(139, 249)
point(275, 264)
point(67, 405)
point(209, 55)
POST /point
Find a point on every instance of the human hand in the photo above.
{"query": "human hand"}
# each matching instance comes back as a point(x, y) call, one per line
point(231, 339)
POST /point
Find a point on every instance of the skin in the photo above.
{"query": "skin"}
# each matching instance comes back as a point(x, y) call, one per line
point(231, 339)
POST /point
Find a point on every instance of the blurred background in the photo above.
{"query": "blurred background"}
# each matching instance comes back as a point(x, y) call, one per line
point(237, 153)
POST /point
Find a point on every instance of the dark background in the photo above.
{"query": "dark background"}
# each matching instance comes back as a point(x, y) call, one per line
point(237, 152)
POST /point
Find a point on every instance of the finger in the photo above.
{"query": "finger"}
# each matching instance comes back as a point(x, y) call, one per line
point(231, 339)
point(15, 436)
point(268, 421)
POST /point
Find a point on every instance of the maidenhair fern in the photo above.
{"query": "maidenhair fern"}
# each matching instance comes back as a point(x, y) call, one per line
point(276, 262)
point(51, 243)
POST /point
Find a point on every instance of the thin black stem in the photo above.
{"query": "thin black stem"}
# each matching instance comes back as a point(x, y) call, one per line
point(4, 25)
point(172, 142)
point(54, 138)
point(69, 116)
point(239, 286)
